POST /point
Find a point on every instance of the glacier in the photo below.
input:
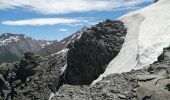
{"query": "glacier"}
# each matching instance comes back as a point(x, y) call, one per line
point(148, 32)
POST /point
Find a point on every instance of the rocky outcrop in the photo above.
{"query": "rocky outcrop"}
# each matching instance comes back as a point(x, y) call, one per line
point(88, 56)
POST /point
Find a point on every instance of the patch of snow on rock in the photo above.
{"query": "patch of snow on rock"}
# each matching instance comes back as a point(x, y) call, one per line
point(148, 33)
point(6, 41)
point(62, 51)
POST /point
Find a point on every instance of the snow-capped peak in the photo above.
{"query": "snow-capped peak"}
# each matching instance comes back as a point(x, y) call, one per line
point(8, 38)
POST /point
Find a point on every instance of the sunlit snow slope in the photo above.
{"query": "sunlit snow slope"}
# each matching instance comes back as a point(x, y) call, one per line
point(148, 33)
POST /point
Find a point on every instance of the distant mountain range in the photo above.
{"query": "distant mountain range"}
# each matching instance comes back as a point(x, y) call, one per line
point(13, 46)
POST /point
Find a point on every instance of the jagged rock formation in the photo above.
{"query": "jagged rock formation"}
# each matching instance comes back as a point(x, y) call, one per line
point(88, 56)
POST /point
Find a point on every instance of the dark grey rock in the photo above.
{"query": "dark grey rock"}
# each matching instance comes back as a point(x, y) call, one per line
point(88, 56)
point(156, 1)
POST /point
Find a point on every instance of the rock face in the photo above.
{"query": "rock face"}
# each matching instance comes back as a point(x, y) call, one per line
point(88, 56)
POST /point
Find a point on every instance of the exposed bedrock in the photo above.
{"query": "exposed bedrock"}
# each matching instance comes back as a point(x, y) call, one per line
point(88, 56)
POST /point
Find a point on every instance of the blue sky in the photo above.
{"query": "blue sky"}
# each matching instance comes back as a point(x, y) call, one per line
point(56, 19)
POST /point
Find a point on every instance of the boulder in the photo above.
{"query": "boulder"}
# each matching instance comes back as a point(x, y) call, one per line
point(88, 56)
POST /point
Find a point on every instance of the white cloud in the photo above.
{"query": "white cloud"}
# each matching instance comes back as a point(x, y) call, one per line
point(46, 21)
point(63, 30)
point(68, 6)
